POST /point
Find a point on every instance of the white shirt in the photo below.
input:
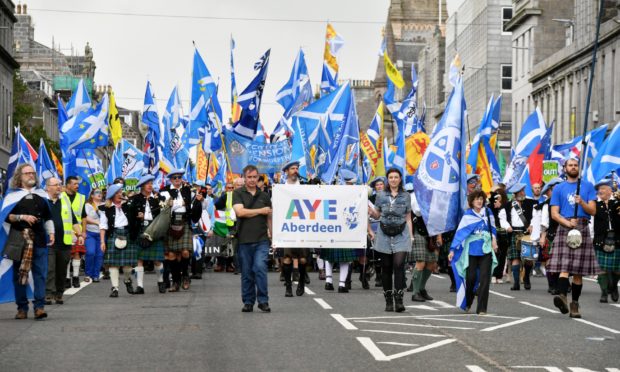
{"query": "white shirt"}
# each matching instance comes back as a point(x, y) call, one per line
point(120, 220)
point(415, 207)
point(536, 224)
point(514, 218)
point(178, 204)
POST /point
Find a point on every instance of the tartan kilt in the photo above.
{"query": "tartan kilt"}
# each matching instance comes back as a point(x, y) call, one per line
point(580, 261)
point(183, 243)
point(120, 257)
point(419, 250)
point(514, 251)
point(78, 249)
point(609, 261)
point(153, 253)
point(338, 255)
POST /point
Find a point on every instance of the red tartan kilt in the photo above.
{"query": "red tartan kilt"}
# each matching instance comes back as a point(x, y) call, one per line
point(544, 253)
point(80, 249)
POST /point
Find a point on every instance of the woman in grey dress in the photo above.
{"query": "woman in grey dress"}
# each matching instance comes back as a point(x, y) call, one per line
point(393, 238)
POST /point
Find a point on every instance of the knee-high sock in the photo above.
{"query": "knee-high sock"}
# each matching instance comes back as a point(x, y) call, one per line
point(576, 291)
point(426, 273)
point(159, 270)
point(320, 263)
point(349, 271)
point(344, 272)
point(114, 277)
point(167, 270)
point(288, 271)
point(416, 278)
point(563, 284)
point(613, 281)
point(528, 271)
point(329, 272)
point(127, 273)
point(69, 269)
point(552, 280)
point(175, 270)
point(185, 266)
point(603, 282)
point(302, 272)
point(76, 267)
point(140, 275)
point(515, 274)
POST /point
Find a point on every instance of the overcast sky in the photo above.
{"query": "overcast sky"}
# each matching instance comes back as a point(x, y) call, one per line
point(139, 40)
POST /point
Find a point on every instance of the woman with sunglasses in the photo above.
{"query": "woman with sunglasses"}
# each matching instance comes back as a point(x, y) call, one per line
point(90, 224)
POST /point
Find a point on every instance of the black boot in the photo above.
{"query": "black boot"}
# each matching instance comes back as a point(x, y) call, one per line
point(363, 278)
point(287, 269)
point(389, 300)
point(613, 286)
point(302, 281)
point(347, 283)
point(526, 278)
point(452, 281)
point(398, 301)
point(603, 299)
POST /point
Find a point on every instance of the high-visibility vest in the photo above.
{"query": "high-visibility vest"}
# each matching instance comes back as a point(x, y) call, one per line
point(230, 220)
point(67, 221)
point(77, 205)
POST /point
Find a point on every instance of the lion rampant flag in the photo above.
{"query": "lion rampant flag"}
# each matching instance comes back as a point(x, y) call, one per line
point(415, 146)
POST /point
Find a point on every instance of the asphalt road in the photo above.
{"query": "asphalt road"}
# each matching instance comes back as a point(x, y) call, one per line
point(204, 329)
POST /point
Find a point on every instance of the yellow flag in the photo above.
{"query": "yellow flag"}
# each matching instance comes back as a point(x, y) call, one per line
point(392, 72)
point(201, 163)
point(415, 146)
point(116, 130)
point(332, 42)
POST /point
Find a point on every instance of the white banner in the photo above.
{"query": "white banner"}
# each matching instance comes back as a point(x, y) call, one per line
point(317, 216)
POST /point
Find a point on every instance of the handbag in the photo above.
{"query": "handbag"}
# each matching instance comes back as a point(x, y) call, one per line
point(391, 228)
point(610, 242)
point(120, 241)
point(177, 227)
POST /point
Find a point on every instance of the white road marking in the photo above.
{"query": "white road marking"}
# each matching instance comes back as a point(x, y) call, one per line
point(598, 326)
point(459, 320)
point(410, 325)
point(396, 343)
point(308, 291)
point(345, 323)
point(421, 307)
point(403, 333)
point(437, 276)
point(323, 304)
point(71, 291)
point(539, 307)
point(548, 368)
point(500, 294)
point(509, 324)
point(616, 305)
point(442, 305)
point(432, 316)
point(475, 369)
point(380, 356)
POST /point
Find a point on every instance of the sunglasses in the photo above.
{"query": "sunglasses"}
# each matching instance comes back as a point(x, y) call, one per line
point(176, 177)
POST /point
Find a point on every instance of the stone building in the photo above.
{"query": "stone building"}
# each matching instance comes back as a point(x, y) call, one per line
point(552, 53)
point(476, 32)
point(431, 69)
point(8, 65)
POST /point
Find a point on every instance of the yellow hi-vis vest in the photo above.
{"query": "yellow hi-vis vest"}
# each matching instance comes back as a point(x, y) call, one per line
point(229, 220)
point(67, 220)
point(77, 205)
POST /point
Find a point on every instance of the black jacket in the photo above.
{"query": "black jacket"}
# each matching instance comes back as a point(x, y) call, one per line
point(110, 213)
point(601, 222)
point(137, 205)
point(527, 206)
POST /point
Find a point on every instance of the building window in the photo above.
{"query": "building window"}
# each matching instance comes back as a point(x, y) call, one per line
point(506, 71)
point(506, 17)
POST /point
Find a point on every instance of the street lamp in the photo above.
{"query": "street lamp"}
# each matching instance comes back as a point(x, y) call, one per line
point(570, 26)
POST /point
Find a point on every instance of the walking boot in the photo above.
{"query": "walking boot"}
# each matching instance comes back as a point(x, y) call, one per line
point(398, 301)
point(603, 299)
point(574, 310)
point(289, 290)
point(364, 280)
point(389, 300)
point(561, 303)
point(613, 287)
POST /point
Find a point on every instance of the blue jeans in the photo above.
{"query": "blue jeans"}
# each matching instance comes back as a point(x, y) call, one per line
point(94, 255)
point(253, 257)
point(39, 275)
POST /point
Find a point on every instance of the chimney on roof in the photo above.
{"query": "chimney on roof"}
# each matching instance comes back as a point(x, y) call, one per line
point(19, 8)
point(24, 9)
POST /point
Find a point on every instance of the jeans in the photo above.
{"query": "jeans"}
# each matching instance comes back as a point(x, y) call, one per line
point(479, 267)
point(39, 274)
point(94, 255)
point(253, 257)
point(57, 260)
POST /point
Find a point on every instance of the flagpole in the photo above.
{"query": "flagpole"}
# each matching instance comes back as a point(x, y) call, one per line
point(587, 111)
point(90, 169)
point(219, 127)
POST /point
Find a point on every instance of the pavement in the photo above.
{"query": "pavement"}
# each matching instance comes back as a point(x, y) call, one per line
point(204, 329)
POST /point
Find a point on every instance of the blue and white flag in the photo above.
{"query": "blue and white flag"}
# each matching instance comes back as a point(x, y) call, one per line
point(297, 92)
point(212, 140)
point(484, 131)
point(174, 150)
point(532, 132)
point(203, 87)
point(116, 164)
point(80, 101)
point(87, 167)
point(594, 140)
point(62, 115)
point(439, 182)
point(88, 130)
point(45, 167)
point(268, 157)
point(150, 116)
point(21, 153)
point(7, 291)
point(607, 159)
point(329, 82)
point(471, 223)
point(250, 99)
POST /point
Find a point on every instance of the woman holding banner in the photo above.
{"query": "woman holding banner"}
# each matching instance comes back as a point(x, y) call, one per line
point(393, 238)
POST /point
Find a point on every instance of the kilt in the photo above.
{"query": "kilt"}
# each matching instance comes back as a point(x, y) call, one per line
point(296, 252)
point(78, 249)
point(120, 257)
point(419, 250)
point(580, 261)
point(185, 242)
point(514, 250)
point(338, 255)
point(444, 251)
point(153, 253)
point(609, 261)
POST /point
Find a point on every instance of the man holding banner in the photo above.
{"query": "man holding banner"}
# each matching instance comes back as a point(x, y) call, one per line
point(253, 209)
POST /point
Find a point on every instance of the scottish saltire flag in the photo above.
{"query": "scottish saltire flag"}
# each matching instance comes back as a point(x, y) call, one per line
point(594, 140)
point(282, 131)
point(470, 224)
point(250, 100)
point(173, 149)
point(44, 166)
point(391, 103)
point(21, 153)
point(116, 164)
point(212, 140)
point(134, 161)
point(439, 181)
point(484, 130)
point(62, 115)
point(568, 149)
point(89, 130)
point(607, 158)
point(535, 161)
point(80, 101)
point(150, 116)
point(203, 87)
point(532, 132)
point(481, 155)
point(7, 292)
point(308, 122)
point(329, 76)
point(372, 142)
point(297, 92)
point(219, 180)
point(152, 152)
point(399, 155)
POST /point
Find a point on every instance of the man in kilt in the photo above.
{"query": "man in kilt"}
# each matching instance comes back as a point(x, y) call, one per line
point(516, 218)
point(607, 240)
point(548, 228)
point(565, 260)
point(120, 250)
point(144, 207)
point(179, 243)
point(424, 252)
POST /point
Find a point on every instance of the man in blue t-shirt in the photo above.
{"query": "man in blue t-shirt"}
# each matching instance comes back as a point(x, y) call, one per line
point(565, 260)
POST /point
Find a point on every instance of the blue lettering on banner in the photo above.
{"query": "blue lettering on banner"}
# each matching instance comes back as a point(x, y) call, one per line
point(267, 157)
point(315, 227)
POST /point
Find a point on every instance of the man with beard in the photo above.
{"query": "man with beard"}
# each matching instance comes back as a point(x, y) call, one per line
point(566, 260)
